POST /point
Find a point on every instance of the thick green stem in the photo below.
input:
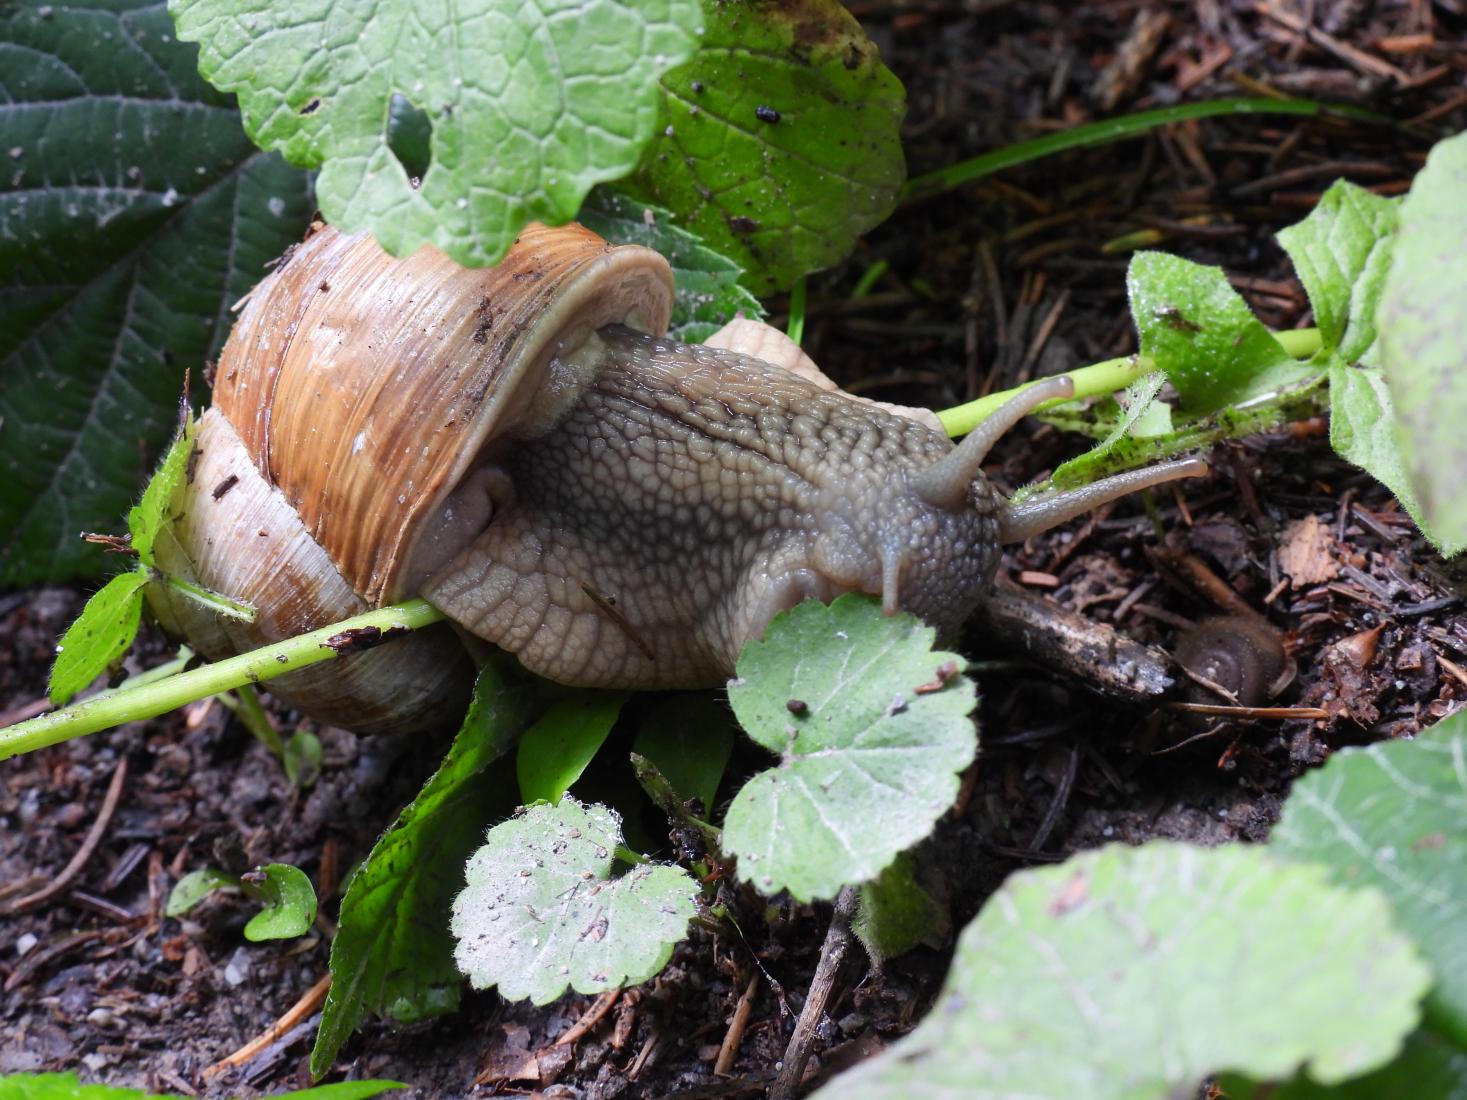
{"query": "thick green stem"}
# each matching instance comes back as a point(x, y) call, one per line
point(148, 700)
point(1093, 381)
point(1102, 378)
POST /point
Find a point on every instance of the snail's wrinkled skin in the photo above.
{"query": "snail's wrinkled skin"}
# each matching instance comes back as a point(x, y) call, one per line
point(688, 496)
point(520, 446)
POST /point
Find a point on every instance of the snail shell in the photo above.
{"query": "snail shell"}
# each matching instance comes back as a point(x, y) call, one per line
point(351, 400)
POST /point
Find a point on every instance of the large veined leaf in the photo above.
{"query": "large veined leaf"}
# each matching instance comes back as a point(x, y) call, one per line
point(134, 212)
point(528, 104)
point(1133, 973)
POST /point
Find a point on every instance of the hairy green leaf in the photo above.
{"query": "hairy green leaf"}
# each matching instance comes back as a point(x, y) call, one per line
point(871, 727)
point(780, 140)
point(392, 954)
point(1422, 323)
point(1342, 251)
point(1132, 973)
point(541, 911)
point(65, 1086)
point(1203, 335)
point(134, 212)
point(894, 913)
point(1429, 1068)
point(289, 903)
point(563, 741)
point(1363, 429)
point(529, 104)
point(1392, 815)
point(100, 635)
point(147, 516)
point(709, 293)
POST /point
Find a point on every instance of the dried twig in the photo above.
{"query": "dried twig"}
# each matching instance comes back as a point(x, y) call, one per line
point(84, 853)
point(309, 1002)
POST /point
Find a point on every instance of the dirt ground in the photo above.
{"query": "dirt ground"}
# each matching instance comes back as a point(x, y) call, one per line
point(988, 285)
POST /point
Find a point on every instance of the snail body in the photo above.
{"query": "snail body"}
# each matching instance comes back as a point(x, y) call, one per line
point(522, 447)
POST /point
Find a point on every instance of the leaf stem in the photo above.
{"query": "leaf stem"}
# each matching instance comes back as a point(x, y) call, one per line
point(1102, 378)
point(1094, 133)
point(1093, 381)
point(148, 700)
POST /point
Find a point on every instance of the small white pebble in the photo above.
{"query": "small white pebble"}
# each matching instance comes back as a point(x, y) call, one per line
point(25, 943)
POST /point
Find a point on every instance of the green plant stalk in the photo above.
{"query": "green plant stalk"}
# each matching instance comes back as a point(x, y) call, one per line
point(796, 329)
point(149, 700)
point(246, 705)
point(1099, 379)
point(214, 601)
point(1095, 380)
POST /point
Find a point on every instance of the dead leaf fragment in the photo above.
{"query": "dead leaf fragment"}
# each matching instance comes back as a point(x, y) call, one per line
point(1306, 552)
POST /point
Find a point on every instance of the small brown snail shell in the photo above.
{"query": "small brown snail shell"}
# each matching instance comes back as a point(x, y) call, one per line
point(520, 446)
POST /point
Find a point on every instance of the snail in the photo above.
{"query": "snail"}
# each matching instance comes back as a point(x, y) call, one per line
point(523, 447)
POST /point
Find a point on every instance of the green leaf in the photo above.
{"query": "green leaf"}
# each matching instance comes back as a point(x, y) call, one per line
point(689, 739)
point(302, 759)
point(1342, 251)
point(530, 104)
point(1363, 430)
point(1422, 323)
point(194, 887)
point(541, 911)
point(1428, 1069)
point(100, 635)
point(1139, 399)
point(1203, 335)
point(290, 903)
point(148, 516)
point(65, 1086)
point(868, 762)
point(780, 140)
point(894, 913)
point(709, 294)
point(563, 741)
point(1132, 973)
point(135, 214)
point(1392, 815)
point(392, 953)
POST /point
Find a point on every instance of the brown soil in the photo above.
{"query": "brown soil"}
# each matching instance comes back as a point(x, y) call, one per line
point(999, 281)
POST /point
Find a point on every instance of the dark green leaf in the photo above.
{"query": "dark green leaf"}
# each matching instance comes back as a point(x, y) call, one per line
point(709, 293)
point(556, 749)
point(1203, 335)
point(290, 903)
point(1422, 323)
point(1133, 973)
point(689, 739)
point(779, 142)
point(194, 887)
point(392, 953)
point(100, 635)
point(1392, 815)
point(529, 105)
point(135, 213)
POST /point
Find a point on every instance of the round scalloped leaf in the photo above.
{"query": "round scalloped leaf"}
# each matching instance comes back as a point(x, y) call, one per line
point(541, 911)
point(1133, 973)
point(871, 726)
point(529, 104)
point(780, 141)
point(1391, 815)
